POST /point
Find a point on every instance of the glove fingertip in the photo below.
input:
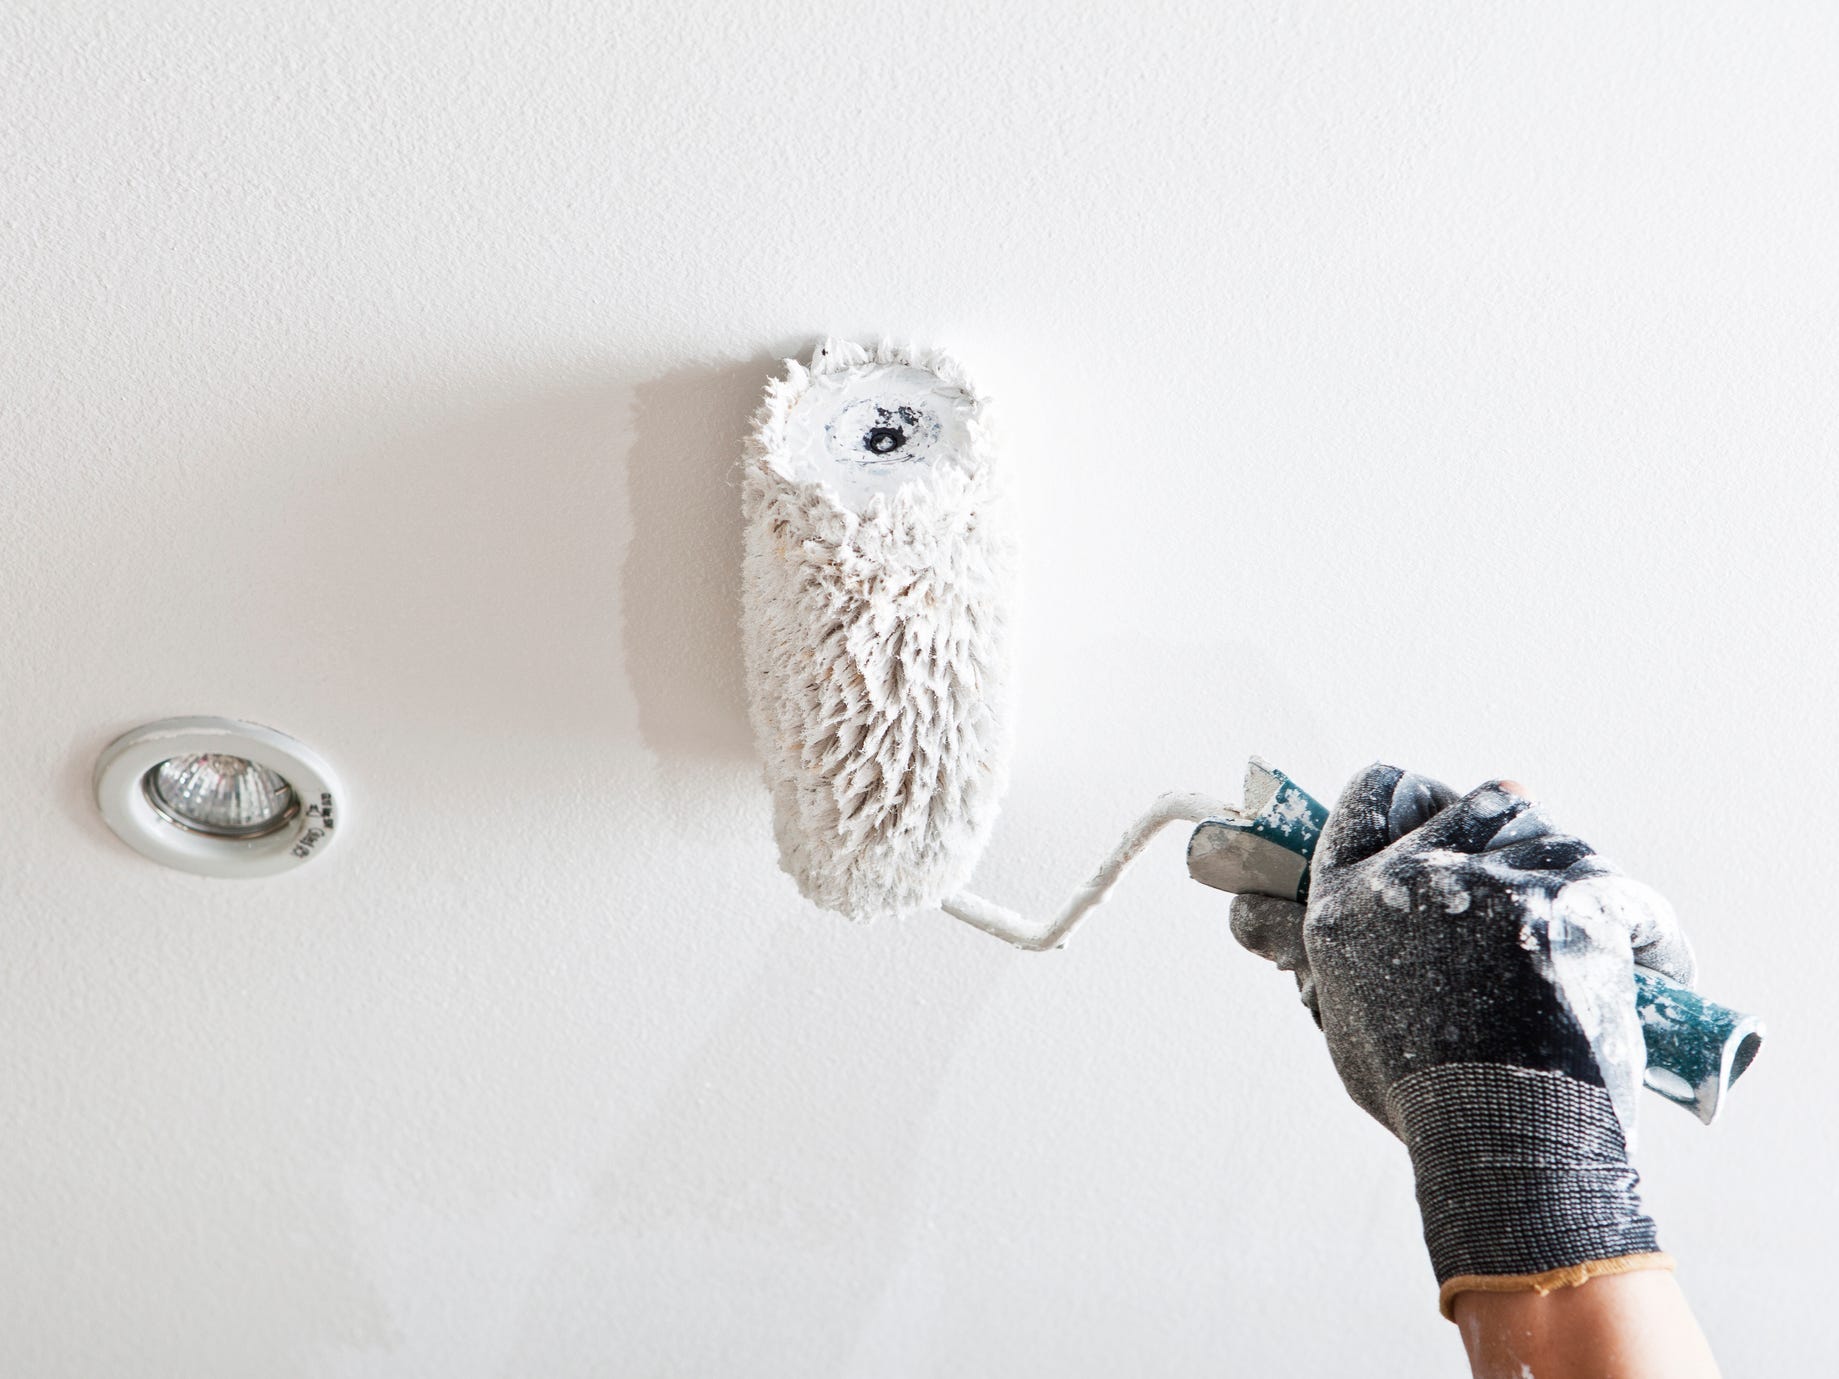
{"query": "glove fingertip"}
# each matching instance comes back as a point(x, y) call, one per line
point(1267, 925)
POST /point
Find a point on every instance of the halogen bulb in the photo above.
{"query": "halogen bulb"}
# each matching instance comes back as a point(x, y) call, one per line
point(222, 795)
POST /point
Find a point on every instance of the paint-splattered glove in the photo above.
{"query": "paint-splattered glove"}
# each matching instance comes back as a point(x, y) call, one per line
point(1472, 969)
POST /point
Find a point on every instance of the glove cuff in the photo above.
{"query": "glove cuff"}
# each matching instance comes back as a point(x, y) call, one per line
point(1548, 1282)
point(1522, 1175)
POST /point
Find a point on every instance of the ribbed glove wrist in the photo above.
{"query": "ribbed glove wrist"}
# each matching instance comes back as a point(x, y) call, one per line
point(1523, 1178)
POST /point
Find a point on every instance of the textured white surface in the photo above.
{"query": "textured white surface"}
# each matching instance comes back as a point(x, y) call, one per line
point(877, 635)
point(1504, 336)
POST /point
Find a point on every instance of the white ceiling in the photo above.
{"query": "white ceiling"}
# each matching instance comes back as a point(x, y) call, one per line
point(1452, 385)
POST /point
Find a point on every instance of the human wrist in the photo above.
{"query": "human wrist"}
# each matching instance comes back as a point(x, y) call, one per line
point(1631, 1325)
point(1523, 1178)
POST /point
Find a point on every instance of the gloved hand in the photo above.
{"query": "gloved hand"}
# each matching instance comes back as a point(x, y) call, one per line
point(1472, 969)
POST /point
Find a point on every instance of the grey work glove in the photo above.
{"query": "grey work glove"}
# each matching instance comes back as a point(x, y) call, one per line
point(1473, 970)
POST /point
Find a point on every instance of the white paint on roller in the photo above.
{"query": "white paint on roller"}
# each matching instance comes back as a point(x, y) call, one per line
point(875, 616)
point(871, 429)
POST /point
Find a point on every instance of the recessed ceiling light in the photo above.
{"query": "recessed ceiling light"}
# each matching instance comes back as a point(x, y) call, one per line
point(219, 797)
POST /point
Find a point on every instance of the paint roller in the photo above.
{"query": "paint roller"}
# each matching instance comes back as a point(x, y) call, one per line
point(877, 583)
point(877, 590)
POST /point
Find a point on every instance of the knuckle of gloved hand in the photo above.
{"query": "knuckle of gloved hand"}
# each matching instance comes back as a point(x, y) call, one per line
point(1416, 800)
point(1431, 881)
point(1551, 853)
point(1474, 822)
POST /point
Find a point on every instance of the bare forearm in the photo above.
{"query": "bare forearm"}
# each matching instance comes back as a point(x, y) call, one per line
point(1627, 1326)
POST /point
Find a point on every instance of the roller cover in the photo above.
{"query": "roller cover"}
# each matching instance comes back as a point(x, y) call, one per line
point(877, 592)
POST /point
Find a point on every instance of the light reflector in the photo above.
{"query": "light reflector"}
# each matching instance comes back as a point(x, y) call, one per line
point(223, 795)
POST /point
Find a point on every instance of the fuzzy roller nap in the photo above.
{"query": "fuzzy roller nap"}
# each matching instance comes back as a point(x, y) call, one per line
point(876, 596)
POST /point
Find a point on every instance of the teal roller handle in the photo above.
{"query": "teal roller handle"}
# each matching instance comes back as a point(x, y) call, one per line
point(1695, 1048)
